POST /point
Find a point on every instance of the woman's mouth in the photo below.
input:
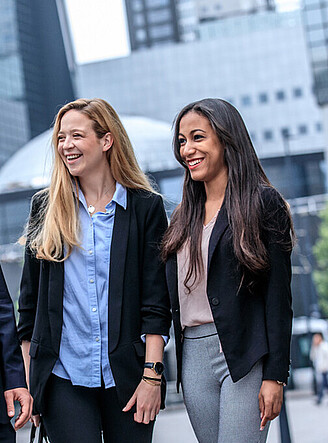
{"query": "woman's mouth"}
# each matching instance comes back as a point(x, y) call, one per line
point(192, 164)
point(73, 157)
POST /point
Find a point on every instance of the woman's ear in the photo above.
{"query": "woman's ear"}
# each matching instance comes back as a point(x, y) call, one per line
point(108, 141)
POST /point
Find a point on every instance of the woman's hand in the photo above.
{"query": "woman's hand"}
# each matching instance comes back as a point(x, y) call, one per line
point(35, 419)
point(148, 401)
point(270, 401)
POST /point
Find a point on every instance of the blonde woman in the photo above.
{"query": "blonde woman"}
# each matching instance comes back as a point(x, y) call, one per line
point(94, 306)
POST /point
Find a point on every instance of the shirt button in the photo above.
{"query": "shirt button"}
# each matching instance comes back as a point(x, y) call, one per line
point(94, 309)
point(91, 280)
point(91, 252)
point(97, 338)
point(215, 301)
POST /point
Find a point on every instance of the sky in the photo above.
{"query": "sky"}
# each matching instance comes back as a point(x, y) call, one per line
point(99, 28)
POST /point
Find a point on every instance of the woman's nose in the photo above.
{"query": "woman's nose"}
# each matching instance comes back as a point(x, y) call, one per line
point(188, 148)
point(68, 143)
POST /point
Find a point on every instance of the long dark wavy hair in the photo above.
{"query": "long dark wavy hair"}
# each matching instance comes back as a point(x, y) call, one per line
point(243, 200)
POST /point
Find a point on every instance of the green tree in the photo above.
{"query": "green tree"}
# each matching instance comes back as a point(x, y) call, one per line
point(320, 251)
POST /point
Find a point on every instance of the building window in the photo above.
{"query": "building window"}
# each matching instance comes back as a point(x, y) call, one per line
point(297, 92)
point(285, 133)
point(280, 95)
point(159, 16)
point(137, 5)
point(157, 3)
point(141, 35)
point(263, 97)
point(139, 20)
point(302, 129)
point(318, 127)
point(161, 31)
point(246, 100)
point(268, 135)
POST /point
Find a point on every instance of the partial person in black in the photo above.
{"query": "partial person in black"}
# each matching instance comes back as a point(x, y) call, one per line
point(12, 374)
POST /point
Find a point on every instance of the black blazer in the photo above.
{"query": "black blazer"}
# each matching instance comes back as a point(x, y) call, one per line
point(251, 325)
point(12, 374)
point(138, 299)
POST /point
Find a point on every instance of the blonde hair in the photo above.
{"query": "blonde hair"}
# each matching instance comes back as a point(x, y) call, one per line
point(51, 228)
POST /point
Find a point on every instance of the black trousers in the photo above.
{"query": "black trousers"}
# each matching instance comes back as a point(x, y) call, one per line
point(7, 433)
point(77, 414)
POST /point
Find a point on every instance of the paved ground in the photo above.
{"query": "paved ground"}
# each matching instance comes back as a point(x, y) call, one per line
point(308, 423)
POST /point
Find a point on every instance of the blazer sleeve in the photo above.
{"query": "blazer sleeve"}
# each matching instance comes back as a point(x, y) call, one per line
point(29, 284)
point(11, 360)
point(278, 299)
point(155, 310)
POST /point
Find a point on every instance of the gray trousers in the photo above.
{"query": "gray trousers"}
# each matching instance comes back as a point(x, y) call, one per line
point(220, 411)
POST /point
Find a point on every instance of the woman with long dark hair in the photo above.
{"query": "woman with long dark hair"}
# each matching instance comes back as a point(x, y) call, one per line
point(93, 288)
point(228, 270)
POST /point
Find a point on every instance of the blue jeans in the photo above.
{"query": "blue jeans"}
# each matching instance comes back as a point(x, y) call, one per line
point(220, 411)
point(323, 384)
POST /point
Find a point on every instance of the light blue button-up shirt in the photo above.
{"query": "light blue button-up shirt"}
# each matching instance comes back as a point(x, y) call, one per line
point(83, 356)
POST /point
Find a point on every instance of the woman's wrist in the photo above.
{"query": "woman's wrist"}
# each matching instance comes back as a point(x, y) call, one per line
point(150, 373)
point(153, 381)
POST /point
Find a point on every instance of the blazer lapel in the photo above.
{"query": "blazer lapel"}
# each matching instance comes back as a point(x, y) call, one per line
point(55, 301)
point(117, 270)
point(172, 280)
point(219, 228)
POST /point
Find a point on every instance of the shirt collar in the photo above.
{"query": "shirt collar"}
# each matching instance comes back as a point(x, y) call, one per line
point(120, 195)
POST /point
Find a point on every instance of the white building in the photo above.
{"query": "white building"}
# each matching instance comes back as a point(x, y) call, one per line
point(258, 62)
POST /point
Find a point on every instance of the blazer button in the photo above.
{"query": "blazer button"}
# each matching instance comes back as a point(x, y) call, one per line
point(215, 301)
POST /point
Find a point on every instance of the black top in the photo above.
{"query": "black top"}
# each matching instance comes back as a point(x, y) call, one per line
point(251, 324)
point(138, 299)
point(12, 374)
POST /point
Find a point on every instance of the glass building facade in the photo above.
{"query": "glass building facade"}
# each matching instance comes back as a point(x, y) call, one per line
point(315, 17)
point(151, 22)
point(35, 77)
point(14, 124)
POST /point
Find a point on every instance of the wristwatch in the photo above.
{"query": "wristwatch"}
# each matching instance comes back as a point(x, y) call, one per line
point(157, 367)
point(281, 383)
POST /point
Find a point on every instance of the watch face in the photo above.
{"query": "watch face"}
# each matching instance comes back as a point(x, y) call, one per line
point(159, 368)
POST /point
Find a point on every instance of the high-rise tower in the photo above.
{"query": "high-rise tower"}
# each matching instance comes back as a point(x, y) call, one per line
point(35, 80)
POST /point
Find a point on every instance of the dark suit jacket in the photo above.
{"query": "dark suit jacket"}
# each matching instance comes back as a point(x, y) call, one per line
point(12, 374)
point(251, 325)
point(138, 299)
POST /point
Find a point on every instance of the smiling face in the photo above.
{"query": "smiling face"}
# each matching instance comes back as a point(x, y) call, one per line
point(79, 147)
point(201, 149)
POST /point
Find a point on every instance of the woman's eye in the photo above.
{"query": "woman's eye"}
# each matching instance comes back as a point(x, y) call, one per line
point(61, 138)
point(181, 141)
point(198, 137)
point(76, 135)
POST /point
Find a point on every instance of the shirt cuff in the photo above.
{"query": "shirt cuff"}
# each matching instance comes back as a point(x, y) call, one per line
point(164, 337)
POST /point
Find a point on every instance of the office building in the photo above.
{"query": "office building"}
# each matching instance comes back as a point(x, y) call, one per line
point(151, 22)
point(36, 62)
point(157, 22)
point(258, 62)
point(217, 9)
point(315, 16)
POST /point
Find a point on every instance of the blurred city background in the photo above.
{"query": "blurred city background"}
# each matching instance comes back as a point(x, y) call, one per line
point(149, 58)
